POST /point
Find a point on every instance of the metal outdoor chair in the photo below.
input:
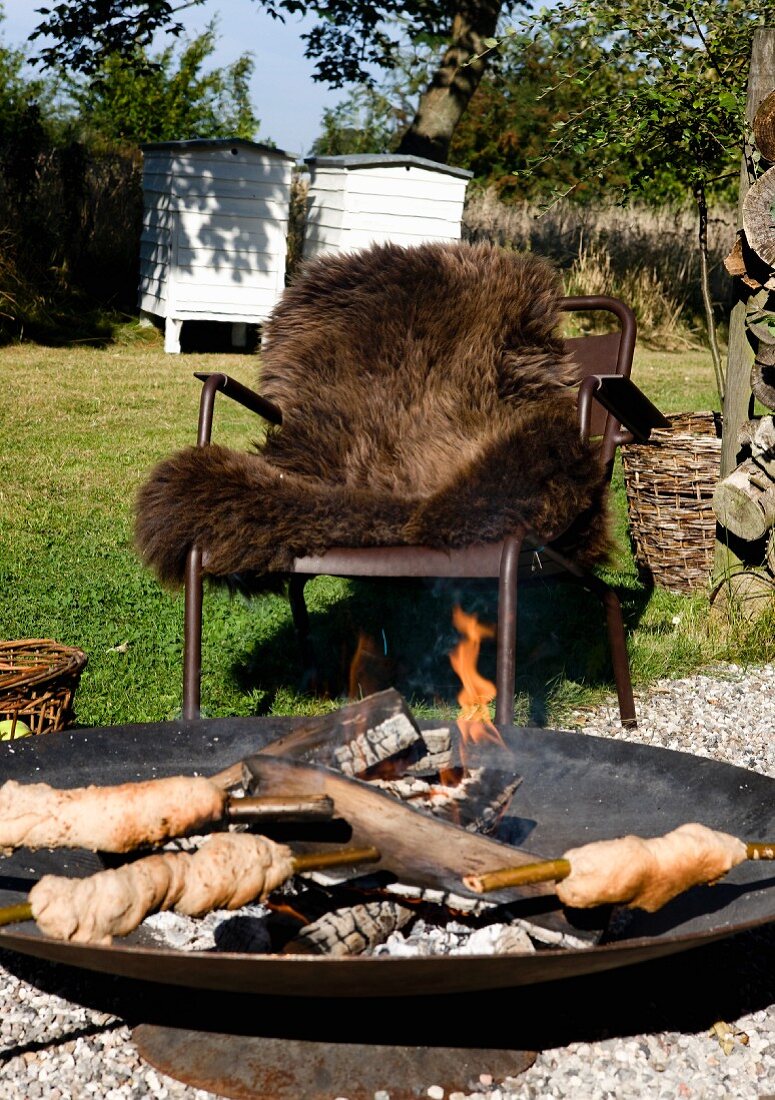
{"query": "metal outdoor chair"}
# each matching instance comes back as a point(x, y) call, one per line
point(609, 407)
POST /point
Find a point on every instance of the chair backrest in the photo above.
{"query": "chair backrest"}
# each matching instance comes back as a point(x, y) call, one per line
point(610, 353)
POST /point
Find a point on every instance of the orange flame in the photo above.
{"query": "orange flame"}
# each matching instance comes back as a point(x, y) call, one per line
point(370, 668)
point(286, 910)
point(477, 692)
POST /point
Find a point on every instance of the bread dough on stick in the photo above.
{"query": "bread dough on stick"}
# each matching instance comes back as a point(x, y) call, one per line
point(646, 874)
point(107, 819)
point(227, 872)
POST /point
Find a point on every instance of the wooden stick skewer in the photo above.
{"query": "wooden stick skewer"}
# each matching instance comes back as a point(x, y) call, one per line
point(255, 809)
point(308, 861)
point(555, 870)
point(547, 870)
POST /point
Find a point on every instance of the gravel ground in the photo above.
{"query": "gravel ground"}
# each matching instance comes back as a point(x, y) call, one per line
point(700, 1025)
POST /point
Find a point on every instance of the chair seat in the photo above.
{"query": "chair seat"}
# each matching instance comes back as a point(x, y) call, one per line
point(483, 560)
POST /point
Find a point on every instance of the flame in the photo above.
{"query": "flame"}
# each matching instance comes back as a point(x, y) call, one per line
point(369, 669)
point(477, 692)
point(286, 910)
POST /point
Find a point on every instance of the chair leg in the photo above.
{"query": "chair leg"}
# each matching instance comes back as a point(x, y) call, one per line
point(616, 635)
point(192, 635)
point(301, 621)
point(621, 664)
point(506, 659)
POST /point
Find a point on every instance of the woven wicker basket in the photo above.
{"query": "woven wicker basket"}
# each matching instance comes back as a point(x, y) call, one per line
point(670, 483)
point(38, 679)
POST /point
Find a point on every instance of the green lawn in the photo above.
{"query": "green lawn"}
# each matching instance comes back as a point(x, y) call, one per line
point(80, 429)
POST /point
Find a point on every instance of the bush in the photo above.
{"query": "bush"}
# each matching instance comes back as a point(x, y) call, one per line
point(646, 256)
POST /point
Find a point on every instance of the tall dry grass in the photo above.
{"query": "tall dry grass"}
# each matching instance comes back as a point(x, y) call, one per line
point(648, 257)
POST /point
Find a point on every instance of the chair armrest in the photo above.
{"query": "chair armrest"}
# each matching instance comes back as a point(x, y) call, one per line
point(223, 383)
point(621, 397)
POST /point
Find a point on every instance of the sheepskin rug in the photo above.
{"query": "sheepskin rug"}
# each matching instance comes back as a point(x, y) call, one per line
point(426, 400)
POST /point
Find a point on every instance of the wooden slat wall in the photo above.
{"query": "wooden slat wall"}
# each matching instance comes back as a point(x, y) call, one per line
point(214, 233)
point(353, 207)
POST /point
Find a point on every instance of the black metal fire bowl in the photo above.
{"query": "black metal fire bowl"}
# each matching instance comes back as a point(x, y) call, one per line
point(575, 789)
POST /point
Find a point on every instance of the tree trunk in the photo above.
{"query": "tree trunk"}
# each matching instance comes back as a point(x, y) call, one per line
point(442, 104)
point(742, 596)
point(710, 321)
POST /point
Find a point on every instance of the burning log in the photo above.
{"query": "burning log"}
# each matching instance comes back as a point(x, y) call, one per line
point(227, 872)
point(365, 751)
point(417, 849)
point(354, 739)
point(631, 871)
point(476, 802)
point(479, 909)
point(438, 758)
point(350, 931)
point(132, 815)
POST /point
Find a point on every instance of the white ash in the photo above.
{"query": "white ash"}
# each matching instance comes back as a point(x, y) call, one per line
point(551, 937)
point(222, 929)
point(456, 902)
point(478, 907)
point(425, 939)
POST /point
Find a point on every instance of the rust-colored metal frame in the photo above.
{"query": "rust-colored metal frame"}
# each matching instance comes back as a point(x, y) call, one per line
point(601, 358)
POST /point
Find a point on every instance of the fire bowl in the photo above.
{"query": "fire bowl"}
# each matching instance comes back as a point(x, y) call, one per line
point(574, 789)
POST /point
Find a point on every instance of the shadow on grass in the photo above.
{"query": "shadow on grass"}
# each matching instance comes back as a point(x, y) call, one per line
point(63, 328)
point(406, 633)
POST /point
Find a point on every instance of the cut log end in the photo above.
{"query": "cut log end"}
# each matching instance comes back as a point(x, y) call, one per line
point(764, 128)
point(763, 375)
point(758, 219)
point(742, 505)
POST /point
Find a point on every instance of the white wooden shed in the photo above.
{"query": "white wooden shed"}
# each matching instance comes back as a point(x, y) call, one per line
point(215, 225)
point(355, 201)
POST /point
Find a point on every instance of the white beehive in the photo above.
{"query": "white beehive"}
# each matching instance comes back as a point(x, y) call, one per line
point(215, 225)
point(355, 201)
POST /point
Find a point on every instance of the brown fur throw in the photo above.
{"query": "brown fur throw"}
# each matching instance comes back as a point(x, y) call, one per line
point(425, 399)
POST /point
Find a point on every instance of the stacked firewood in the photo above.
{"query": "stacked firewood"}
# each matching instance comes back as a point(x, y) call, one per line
point(744, 501)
